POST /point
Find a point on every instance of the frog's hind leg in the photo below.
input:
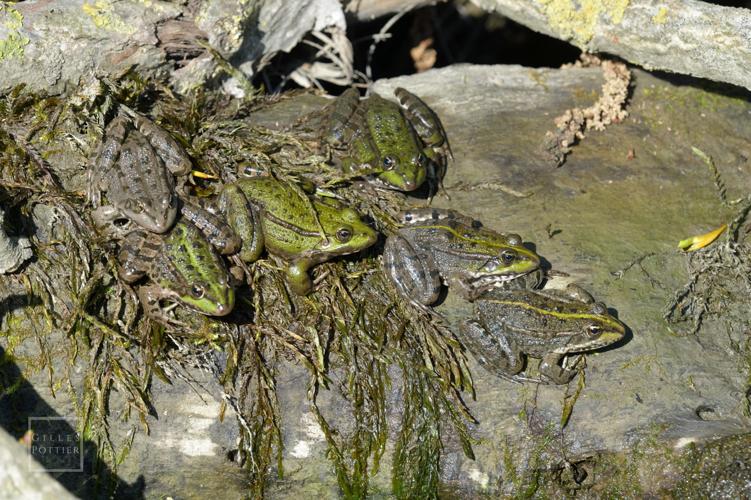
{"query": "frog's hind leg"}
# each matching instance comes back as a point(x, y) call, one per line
point(413, 273)
point(106, 158)
point(136, 249)
point(244, 217)
point(551, 369)
point(425, 122)
point(430, 130)
point(169, 150)
point(493, 350)
point(220, 234)
point(340, 116)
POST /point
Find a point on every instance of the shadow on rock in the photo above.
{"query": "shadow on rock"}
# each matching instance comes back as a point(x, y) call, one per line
point(23, 409)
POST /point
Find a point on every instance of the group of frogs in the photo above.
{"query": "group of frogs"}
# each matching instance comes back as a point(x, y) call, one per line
point(173, 245)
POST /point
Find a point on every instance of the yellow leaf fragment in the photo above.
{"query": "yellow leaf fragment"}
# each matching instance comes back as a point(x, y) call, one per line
point(697, 242)
point(202, 175)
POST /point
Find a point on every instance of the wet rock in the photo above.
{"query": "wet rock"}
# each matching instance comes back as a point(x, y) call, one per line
point(13, 251)
point(609, 219)
point(685, 36)
point(18, 480)
point(631, 191)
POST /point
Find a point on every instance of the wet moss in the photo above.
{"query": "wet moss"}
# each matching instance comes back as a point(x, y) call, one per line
point(347, 333)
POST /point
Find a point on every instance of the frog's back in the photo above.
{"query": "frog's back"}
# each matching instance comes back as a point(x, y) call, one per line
point(278, 199)
point(537, 323)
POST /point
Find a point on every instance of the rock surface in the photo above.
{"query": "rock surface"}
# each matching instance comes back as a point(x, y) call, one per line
point(50, 46)
point(682, 36)
point(630, 191)
point(17, 479)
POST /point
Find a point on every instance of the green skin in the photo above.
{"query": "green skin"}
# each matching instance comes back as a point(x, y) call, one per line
point(437, 246)
point(375, 135)
point(182, 266)
point(543, 324)
point(269, 214)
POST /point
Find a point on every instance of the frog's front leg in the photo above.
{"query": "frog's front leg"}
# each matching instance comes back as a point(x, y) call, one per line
point(551, 369)
point(245, 220)
point(471, 289)
point(151, 296)
point(493, 349)
point(413, 273)
point(298, 276)
point(111, 221)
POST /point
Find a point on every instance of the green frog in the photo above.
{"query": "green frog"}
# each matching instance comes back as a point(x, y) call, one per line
point(402, 144)
point(543, 324)
point(135, 165)
point(436, 246)
point(270, 214)
point(182, 267)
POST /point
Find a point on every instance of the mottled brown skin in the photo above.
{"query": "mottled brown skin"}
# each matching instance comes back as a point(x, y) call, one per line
point(436, 246)
point(135, 166)
point(543, 324)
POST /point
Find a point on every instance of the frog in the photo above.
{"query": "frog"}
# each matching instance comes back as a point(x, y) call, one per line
point(442, 246)
point(546, 324)
point(182, 266)
point(403, 143)
point(282, 219)
point(136, 164)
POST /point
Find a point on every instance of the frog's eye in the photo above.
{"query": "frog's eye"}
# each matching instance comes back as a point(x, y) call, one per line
point(344, 235)
point(508, 256)
point(593, 330)
point(389, 162)
point(197, 291)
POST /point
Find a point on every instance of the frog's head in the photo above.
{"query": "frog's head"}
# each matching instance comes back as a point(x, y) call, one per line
point(403, 172)
point(211, 299)
point(507, 260)
point(399, 159)
point(157, 217)
point(345, 232)
point(199, 277)
point(592, 329)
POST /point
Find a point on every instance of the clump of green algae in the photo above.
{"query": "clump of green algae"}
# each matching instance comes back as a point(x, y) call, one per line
point(351, 324)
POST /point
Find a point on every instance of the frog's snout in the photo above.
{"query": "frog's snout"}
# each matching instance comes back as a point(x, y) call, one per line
point(410, 184)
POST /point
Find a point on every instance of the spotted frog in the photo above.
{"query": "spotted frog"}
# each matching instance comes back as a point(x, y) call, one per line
point(543, 324)
point(402, 144)
point(436, 246)
point(270, 214)
point(182, 266)
point(135, 165)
